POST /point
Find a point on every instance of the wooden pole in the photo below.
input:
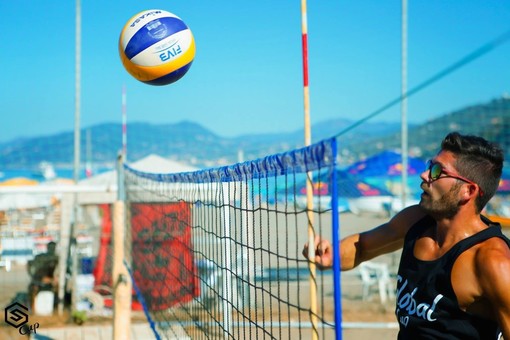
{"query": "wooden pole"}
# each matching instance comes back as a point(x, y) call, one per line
point(122, 285)
point(66, 207)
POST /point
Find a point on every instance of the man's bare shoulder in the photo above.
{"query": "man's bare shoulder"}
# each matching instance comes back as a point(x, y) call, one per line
point(492, 263)
point(494, 248)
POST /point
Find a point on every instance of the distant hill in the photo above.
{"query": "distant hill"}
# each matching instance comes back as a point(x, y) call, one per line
point(186, 141)
point(490, 120)
point(192, 143)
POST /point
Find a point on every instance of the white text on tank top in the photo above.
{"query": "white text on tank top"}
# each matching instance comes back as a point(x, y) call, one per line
point(407, 306)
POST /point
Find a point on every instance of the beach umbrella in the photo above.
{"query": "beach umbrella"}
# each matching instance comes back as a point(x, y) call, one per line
point(19, 181)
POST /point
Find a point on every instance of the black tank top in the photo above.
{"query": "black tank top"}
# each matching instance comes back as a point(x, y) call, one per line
point(426, 305)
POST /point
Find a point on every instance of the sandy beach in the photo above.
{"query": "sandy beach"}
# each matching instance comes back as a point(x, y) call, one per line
point(363, 319)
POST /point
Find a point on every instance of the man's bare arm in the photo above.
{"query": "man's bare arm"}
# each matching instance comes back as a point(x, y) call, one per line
point(493, 269)
point(361, 247)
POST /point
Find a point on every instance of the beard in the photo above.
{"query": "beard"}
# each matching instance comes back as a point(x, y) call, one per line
point(445, 207)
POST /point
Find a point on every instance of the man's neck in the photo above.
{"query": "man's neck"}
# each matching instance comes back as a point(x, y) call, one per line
point(449, 231)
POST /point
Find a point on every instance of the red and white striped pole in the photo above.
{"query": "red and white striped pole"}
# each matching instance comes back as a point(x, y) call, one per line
point(309, 184)
point(304, 39)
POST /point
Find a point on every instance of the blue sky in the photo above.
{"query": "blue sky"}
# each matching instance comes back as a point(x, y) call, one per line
point(247, 73)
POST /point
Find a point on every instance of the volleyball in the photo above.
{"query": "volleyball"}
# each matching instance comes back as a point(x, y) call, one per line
point(156, 47)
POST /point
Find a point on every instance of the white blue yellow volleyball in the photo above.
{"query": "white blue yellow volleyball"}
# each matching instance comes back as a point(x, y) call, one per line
point(156, 47)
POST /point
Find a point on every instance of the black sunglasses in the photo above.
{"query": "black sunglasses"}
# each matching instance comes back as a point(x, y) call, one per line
point(436, 170)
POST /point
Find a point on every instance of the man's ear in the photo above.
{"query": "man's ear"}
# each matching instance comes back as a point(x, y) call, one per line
point(466, 193)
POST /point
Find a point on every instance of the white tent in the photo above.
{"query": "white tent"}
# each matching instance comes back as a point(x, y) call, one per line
point(152, 164)
point(159, 165)
point(23, 200)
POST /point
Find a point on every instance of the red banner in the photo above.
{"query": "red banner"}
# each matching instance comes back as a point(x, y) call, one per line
point(103, 268)
point(162, 258)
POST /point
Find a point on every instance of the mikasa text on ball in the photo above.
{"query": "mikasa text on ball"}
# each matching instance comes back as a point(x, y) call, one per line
point(156, 47)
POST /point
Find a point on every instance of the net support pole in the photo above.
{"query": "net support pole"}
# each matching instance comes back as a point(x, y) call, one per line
point(121, 279)
point(337, 289)
point(309, 186)
point(227, 263)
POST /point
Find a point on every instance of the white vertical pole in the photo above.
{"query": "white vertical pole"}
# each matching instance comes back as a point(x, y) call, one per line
point(77, 141)
point(88, 161)
point(227, 263)
point(403, 105)
point(77, 98)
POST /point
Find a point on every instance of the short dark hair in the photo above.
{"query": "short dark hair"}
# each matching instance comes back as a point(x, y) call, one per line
point(478, 160)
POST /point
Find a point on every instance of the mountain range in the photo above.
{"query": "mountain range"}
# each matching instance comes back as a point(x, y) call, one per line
point(194, 144)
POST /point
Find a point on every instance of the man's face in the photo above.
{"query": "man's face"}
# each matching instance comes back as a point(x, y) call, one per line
point(442, 206)
point(440, 197)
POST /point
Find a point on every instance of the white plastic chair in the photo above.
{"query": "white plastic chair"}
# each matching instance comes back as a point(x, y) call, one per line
point(374, 274)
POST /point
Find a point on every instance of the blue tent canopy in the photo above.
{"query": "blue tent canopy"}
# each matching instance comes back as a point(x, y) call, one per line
point(348, 186)
point(386, 163)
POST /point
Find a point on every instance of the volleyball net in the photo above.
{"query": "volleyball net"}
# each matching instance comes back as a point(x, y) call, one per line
point(217, 252)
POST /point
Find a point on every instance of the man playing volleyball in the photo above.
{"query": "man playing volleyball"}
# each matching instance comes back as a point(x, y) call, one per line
point(454, 275)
